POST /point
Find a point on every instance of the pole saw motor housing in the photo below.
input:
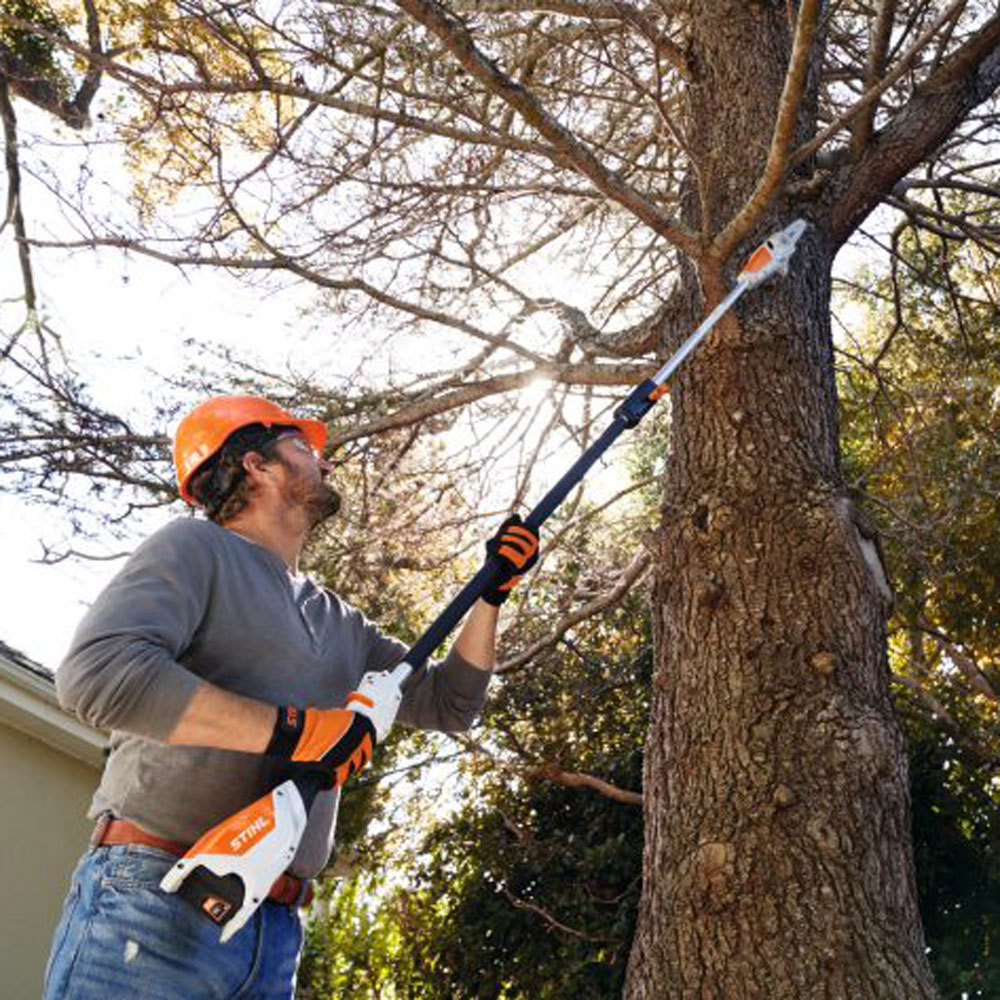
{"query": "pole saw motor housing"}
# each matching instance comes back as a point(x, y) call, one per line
point(228, 873)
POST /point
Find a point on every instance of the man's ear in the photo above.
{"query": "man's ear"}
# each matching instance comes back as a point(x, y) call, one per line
point(255, 465)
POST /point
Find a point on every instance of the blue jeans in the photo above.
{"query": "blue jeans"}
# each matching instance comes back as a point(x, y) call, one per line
point(122, 938)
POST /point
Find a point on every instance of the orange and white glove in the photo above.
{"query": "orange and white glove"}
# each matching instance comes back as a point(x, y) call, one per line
point(378, 696)
point(333, 743)
point(337, 742)
point(515, 547)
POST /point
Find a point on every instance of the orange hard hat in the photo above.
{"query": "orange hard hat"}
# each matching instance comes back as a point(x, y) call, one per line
point(204, 430)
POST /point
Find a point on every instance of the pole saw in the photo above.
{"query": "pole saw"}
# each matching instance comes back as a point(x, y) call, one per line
point(227, 874)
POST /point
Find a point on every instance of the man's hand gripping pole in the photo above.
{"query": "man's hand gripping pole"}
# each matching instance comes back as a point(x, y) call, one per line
point(228, 872)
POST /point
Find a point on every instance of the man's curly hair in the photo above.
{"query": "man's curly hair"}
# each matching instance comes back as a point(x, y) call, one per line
point(220, 485)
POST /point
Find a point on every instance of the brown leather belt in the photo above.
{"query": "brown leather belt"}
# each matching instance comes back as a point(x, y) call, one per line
point(287, 889)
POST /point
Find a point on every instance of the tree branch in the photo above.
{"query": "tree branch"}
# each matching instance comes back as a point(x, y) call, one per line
point(965, 79)
point(28, 84)
point(442, 403)
point(870, 96)
point(629, 576)
point(92, 78)
point(575, 154)
point(551, 920)
point(938, 711)
point(571, 779)
point(932, 702)
point(612, 10)
point(877, 50)
point(784, 128)
point(281, 262)
point(149, 85)
point(14, 214)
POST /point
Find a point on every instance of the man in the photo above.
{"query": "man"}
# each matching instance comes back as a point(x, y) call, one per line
point(200, 656)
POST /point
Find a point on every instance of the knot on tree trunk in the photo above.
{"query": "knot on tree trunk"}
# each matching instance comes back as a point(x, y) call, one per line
point(711, 871)
point(824, 662)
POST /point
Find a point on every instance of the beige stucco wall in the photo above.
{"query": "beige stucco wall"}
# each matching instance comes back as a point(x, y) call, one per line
point(44, 796)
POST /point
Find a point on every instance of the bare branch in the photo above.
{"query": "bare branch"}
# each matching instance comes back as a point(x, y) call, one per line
point(553, 772)
point(460, 43)
point(441, 403)
point(597, 11)
point(965, 79)
point(632, 573)
point(280, 262)
point(784, 128)
point(14, 214)
point(877, 49)
point(149, 85)
point(945, 184)
point(50, 557)
point(553, 924)
point(870, 96)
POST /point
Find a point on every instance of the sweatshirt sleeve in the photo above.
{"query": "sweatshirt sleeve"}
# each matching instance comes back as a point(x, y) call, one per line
point(445, 695)
point(122, 670)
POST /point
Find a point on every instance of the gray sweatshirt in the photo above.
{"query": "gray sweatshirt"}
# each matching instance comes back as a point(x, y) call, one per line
point(198, 601)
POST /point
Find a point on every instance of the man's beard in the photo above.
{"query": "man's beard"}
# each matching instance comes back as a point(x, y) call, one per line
point(317, 497)
point(320, 500)
point(325, 502)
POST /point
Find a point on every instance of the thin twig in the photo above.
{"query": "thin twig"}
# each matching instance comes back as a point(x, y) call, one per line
point(629, 576)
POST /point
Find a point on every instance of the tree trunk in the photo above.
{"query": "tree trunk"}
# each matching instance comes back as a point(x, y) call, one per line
point(777, 860)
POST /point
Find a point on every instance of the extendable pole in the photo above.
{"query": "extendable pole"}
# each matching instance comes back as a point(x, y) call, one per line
point(770, 258)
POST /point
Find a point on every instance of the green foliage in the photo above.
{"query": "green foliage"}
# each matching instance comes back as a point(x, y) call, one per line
point(956, 827)
point(922, 435)
point(543, 894)
point(921, 440)
point(34, 53)
point(530, 888)
point(353, 951)
point(531, 896)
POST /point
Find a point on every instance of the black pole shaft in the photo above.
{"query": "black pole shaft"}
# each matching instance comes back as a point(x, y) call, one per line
point(631, 411)
point(635, 406)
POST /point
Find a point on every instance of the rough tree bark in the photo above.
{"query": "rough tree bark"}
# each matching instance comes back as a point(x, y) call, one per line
point(777, 860)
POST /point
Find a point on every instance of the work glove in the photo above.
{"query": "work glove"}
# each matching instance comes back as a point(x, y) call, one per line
point(334, 743)
point(515, 546)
